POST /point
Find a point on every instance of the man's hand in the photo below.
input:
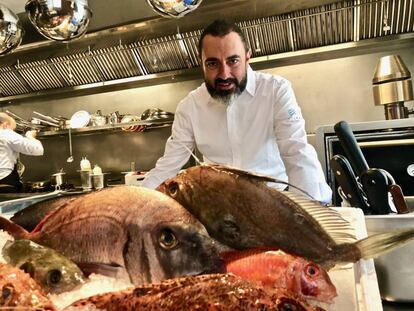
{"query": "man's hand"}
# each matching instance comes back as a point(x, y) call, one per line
point(31, 134)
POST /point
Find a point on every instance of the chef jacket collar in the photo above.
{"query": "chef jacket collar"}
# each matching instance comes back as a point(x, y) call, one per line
point(251, 81)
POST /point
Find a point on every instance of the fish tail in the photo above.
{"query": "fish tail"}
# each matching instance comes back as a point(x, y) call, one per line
point(381, 243)
point(13, 229)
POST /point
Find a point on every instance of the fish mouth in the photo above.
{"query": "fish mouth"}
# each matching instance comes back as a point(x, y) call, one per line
point(217, 266)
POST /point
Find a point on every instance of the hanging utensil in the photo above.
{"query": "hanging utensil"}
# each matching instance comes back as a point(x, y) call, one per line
point(70, 158)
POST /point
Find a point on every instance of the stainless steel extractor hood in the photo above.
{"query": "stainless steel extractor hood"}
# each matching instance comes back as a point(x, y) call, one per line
point(128, 44)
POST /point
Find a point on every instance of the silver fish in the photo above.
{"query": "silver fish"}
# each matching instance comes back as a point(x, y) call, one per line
point(136, 231)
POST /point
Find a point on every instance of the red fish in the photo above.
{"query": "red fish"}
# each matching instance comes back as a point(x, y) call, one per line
point(18, 291)
point(274, 269)
point(212, 292)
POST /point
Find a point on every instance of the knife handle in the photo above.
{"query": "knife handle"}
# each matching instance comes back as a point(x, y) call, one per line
point(351, 148)
point(346, 179)
point(398, 198)
point(375, 185)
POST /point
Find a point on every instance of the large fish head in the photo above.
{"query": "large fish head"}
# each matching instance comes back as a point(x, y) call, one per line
point(166, 241)
point(313, 281)
point(172, 249)
point(198, 189)
point(51, 270)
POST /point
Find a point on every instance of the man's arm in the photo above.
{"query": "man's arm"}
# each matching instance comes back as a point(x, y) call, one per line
point(28, 145)
point(302, 165)
point(177, 151)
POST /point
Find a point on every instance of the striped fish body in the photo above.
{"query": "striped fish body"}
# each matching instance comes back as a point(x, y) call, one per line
point(240, 210)
point(274, 270)
point(138, 231)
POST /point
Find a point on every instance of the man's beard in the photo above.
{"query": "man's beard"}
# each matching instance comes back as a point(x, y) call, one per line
point(227, 97)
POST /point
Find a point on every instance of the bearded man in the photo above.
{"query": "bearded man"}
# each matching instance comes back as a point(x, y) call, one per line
point(241, 118)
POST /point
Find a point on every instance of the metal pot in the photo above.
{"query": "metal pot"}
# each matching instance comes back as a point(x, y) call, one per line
point(58, 179)
point(395, 270)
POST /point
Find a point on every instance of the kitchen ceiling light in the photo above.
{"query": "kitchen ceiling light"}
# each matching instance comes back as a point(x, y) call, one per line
point(60, 20)
point(11, 32)
point(174, 8)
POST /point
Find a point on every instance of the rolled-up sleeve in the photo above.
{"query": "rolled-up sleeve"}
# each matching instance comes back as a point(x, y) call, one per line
point(299, 157)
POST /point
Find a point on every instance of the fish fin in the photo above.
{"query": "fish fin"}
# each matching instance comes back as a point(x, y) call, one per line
point(13, 229)
point(338, 228)
point(110, 270)
point(255, 176)
point(52, 212)
point(381, 243)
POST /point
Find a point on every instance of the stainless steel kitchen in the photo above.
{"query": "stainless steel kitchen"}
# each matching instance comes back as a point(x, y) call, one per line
point(98, 84)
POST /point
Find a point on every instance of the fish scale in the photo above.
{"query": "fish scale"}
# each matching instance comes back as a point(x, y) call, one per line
point(116, 230)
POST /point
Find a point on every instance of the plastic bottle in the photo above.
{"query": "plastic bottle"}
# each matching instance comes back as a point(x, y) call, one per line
point(85, 165)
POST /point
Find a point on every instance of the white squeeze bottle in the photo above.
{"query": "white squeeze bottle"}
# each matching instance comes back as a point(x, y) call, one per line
point(86, 178)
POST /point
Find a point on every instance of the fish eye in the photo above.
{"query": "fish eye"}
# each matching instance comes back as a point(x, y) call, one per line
point(7, 291)
point(311, 270)
point(168, 239)
point(173, 189)
point(287, 304)
point(54, 277)
point(28, 268)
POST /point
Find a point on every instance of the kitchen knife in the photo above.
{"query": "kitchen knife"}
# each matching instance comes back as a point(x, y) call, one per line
point(351, 148)
point(346, 179)
point(375, 185)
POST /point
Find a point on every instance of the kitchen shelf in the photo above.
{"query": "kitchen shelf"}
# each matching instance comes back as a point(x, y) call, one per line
point(109, 127)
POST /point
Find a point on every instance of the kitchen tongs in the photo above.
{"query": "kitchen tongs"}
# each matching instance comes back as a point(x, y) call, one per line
point(372, 187)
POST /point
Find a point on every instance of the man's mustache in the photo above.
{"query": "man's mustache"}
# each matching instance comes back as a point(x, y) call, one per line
point(229, 80)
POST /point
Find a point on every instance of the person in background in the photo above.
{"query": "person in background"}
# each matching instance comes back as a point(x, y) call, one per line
point(11, 145)
point(241, 118)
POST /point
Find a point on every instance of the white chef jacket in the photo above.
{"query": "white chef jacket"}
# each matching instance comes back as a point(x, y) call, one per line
point(11, 144)
point(262, 131)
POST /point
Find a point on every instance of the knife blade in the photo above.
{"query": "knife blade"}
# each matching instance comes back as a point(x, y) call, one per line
point(347, 180)
point(375, 184)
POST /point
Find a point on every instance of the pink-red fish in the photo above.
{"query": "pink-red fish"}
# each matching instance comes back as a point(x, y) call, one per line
point(211, 292)
point(128, 231)
point(274, 269)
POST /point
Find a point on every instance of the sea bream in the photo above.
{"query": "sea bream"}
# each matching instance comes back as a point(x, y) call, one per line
point(31, 216)
point(126, 229)
point(240, 210)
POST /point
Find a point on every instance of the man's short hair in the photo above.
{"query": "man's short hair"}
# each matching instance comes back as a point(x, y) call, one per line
point(6, 119)
point(220, 28)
